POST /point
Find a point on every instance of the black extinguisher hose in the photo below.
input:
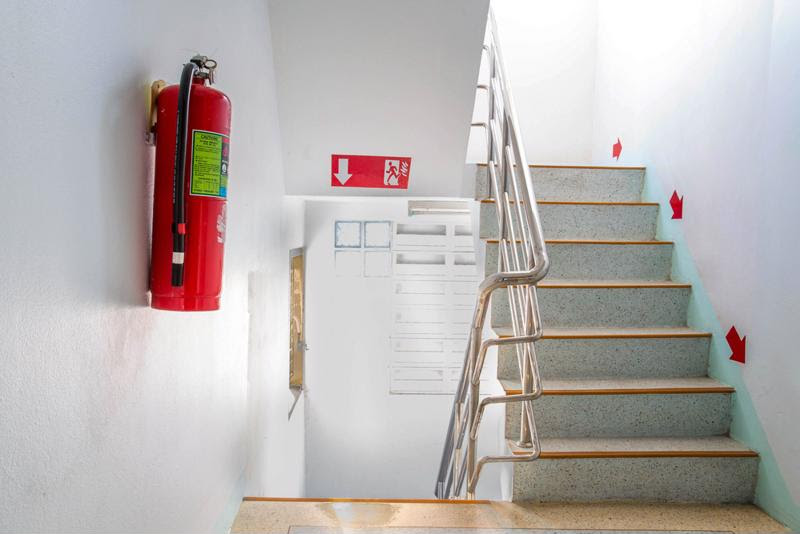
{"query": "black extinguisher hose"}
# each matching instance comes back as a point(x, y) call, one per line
point(179, 174)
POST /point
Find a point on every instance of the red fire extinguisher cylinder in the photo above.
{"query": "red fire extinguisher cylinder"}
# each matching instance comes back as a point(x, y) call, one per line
point(190, 191)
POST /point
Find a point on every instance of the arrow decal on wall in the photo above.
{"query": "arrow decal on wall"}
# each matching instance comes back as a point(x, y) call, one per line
point(616, 150)
point(342, 175)
point(737, 345)
point(677, 205)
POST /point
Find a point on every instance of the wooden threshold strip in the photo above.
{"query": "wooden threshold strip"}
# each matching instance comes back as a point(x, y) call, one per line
point(631, 391)
point(553, 455)
point(387, 501)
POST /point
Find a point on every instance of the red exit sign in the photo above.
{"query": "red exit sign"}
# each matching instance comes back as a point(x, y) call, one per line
point(387, 172)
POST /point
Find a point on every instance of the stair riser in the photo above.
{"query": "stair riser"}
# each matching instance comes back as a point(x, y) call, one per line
point(600, 262)
point(701, 480)
point(581, 221)
point(604, 185)
point(602, 307)
point(613, 358)
point(654, 415)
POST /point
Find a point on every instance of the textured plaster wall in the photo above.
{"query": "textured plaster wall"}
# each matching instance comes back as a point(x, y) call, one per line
point(115, 417)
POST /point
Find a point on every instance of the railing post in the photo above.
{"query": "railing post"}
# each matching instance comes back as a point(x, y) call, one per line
point(456, 453)
point(527, 388)
point(507, 170)
point(490, 111)
point(474, 399)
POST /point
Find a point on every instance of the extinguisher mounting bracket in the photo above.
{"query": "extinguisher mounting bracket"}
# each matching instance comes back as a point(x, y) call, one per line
point(152, 111)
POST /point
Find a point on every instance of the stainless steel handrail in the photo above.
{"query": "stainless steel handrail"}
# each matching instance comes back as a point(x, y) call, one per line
point(522, 263)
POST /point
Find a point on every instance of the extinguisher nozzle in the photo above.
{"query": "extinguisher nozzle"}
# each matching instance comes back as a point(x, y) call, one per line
point(177, 274)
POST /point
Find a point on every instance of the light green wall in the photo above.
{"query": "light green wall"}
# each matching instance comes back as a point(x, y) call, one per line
point(772, 494)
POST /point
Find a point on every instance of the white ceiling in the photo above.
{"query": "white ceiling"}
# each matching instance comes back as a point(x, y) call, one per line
point(377, 77)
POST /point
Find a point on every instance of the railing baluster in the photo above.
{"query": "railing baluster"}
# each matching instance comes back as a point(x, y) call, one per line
point(522, 263)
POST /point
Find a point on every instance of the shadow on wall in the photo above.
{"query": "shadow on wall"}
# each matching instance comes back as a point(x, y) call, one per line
point(126, 196)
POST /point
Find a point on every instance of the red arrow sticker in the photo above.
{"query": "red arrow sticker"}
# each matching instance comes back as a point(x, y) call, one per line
point(677, 205)
point(737, 345)
point(388, 172)
point(616, 149)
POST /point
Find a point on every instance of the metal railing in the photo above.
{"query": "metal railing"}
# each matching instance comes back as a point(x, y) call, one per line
point(522, 263)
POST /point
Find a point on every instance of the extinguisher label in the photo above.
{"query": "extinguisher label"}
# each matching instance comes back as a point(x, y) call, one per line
point(209, 164)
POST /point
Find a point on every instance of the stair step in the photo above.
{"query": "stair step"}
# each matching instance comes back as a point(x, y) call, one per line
point(584, 220)
point(561, 448)
point(607, 353)
point(578, 182)
point(594, 259)
point(631, 407)
point(600, 303)
point(701, 469)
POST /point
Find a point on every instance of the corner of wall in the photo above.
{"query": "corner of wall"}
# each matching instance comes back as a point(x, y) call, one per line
point(228, 515)
point(772, 493)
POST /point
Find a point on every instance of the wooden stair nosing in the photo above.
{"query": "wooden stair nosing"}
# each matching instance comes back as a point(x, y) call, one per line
point(602, 242)
point(600, 167)
point(579, 202)
point(613, 285)
point(640, 335)
point(555, 455)
point(590, 242)
point(683, 390)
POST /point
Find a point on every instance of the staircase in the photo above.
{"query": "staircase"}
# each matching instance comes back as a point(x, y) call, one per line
point(627, 410)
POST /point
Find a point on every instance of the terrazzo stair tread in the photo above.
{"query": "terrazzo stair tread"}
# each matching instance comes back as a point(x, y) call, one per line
point(583, 220)
point(598, 333)
point(604, 354)
point(623, 387)
point(677, 407)
point(627, 411)
point(577, 182)
point(643, 447)
point(602, 303)
point(707, 471)
point(595, 259)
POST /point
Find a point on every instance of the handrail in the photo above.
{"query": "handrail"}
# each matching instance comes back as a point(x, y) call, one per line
point(522, 263)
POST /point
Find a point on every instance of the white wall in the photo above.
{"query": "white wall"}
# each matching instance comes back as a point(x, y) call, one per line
point(706, 95)
point(361, 440)
point(377, 77)
point(549, 50)
point(113, 416)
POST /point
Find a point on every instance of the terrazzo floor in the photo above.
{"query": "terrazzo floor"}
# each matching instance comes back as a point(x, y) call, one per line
point(490, 517)
point(425, 530)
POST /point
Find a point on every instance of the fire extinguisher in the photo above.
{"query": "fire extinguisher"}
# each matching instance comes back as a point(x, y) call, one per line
point(192, 129)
